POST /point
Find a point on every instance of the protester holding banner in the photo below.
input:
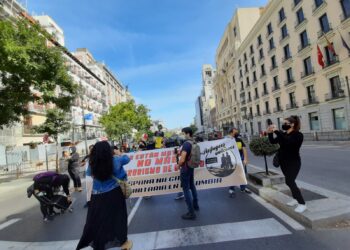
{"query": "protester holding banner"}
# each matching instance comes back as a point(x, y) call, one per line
point(159, 137)
point(187, 176)
point(290, 142)
point(234, 134)
point(107, 220)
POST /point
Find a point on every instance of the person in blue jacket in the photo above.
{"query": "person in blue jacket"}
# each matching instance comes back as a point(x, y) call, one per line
point(107, 220)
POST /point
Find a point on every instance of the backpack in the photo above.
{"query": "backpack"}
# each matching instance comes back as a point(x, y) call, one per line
point(45, 174)
point(195, 156)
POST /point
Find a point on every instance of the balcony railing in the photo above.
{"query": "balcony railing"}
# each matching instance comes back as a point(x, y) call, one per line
point(277, 109)
point(266, 112)
point(289, 81)
point(257, 114)
point(258, 45)
point(320, 33)
point(292, 106)
point(273, 67)
point(252, 66)
point(249, 99)
point(307, 73)
point(284, 59)
point(265, 93)
point(250, 116)
point(282, 38)
point(269, 33)
point(317, 6)
point(255, 80)
point(301, 47)
point(295, 5)
point(335, 95)
point(263, 74)
point(331, 62)
point(276, 87)
point(261, 57)
point(310, 101)
point(271, 48)
point(256, 97)
point(297, 23)
point(243, 102)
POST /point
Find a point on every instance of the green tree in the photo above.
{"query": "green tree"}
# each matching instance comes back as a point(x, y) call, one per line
point(56, 123)
point(30, 71)
point(262, 147)
point(122, 118)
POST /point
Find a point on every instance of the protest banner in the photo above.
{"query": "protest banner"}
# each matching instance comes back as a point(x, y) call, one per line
point(155, 172)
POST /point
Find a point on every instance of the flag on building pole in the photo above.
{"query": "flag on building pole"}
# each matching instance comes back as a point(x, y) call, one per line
point(344, 43)
point(330, 46)
point(320, 57)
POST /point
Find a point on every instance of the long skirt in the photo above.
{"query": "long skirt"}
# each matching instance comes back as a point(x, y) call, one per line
point(89, 182)
point(106, 222)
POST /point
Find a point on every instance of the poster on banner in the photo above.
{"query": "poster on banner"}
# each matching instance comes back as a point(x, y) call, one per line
point(156, 172)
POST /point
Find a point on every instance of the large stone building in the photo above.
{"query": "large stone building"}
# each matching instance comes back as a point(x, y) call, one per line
point(268, 67)
point(206, 101)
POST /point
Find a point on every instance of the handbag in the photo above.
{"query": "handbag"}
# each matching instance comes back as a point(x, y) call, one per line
point(125, 187)
point(276, 160)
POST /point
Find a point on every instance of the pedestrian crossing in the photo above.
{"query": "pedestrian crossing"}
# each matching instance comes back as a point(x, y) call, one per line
point(182, 237)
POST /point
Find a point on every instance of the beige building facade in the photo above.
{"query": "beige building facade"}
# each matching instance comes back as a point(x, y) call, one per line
point(270, 70)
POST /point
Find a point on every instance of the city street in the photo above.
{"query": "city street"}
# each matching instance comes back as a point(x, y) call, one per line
point(244, 222)
point(324, 164)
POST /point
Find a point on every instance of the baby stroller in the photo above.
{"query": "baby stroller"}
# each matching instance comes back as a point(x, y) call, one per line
point(55, 201)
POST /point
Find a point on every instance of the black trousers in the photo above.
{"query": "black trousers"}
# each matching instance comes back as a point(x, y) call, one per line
point(290, 170)
point(46, 209)
point(74, 174)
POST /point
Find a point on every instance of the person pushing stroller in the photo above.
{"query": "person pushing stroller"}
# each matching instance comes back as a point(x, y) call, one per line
point(45, 189)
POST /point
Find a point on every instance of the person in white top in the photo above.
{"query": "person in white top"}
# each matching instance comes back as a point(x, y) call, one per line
point(88, 179)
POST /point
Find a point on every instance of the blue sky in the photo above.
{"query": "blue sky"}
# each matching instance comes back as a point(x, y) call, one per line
point(156, 47)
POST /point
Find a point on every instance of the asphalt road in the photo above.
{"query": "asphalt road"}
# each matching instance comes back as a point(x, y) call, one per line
point(222, 223)
point(324, 164)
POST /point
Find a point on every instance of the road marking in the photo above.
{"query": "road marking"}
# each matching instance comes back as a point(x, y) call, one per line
point(8, 223)
point(284, 217)
point(182, 237)
point(134, 209)
point(209, 234)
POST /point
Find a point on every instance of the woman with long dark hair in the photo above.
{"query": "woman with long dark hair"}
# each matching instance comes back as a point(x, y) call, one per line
point(289, 157)
point(107, 221)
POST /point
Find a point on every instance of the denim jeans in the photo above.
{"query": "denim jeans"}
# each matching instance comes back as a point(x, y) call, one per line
point(187, 183)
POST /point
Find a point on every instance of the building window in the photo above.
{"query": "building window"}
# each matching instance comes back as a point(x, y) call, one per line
point(258, 109)
point(249, 97)
point(331, 58)
point(308, 70)
point(279, 122)
point(265, 88)
point(208, 73)
point(296, 2)
point(248, 83)
point(235, 31)
point(235, 95)
point(300, 16)
point(240, 73)
point(286, 52)
point(289, 73)
point(256, 93)
point(314, 122)
point(253, 61)
point(239, 63)
point(345, 4)
point(254, 76)
point(263, 70)
point(261, 53)
point(325, 26)
point(267, 107)
point(246, 68)
point(339, 118)
point(251, 49)
point(259, 40)
point(271, 43)
point(233, 79)
point(292, 100)
point(311, 96)
point(336, 89)
point(273, 62)
point(245, 57)
point(284, 31)
point(304, 41)
point(242, 86)
point(275, 82)
point(318, 3)
point(278, 104)
point(269, 29)
point(282, 14)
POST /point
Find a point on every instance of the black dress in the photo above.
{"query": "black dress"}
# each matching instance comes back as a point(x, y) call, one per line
point(106, 222)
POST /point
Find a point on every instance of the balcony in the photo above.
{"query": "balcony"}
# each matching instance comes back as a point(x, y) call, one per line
point(261, 57)
point(276, 87)
point(277, 109)
point(315, 7)
point(243, 102)
point(273, 67)
point(296, 5)
point(247, 85)
point(258, 45)
point(268, 34)
point(298, 24)
point(335, 95)
point(310, 101)
point(284, 59)
point(301, 47)
point(250, 116)
point(331, 62)
point(255, 80)
point(257, 114)
point(320, 33)
point(249, 100)
point(271, 48)
point(344, 17)
point(263, 74)
point(289, 82)
point(292, 106)
point(265, 93)
point(242, 89)
point(256, 97)
point(266, 112)
point(307, 73)
point(282, 38)
point(252, 66)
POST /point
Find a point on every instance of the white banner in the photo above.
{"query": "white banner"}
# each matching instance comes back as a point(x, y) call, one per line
point(155, 172)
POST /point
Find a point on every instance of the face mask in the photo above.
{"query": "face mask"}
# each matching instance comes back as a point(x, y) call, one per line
point(286, 127)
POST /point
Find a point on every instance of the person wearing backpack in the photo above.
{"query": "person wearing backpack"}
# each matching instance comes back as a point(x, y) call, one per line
point(189, 160)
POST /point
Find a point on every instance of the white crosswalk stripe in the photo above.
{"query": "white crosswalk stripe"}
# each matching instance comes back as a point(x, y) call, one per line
point(8, 223)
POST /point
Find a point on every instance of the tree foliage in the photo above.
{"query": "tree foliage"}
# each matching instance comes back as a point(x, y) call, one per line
point(56, 123)
point(122, 118)
point(194, 128)
point(28, 65)
point(262, 147)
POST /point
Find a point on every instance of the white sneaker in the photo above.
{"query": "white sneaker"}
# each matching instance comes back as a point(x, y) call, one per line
point(300, 208)
point(292, 203)
point(231, 191)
